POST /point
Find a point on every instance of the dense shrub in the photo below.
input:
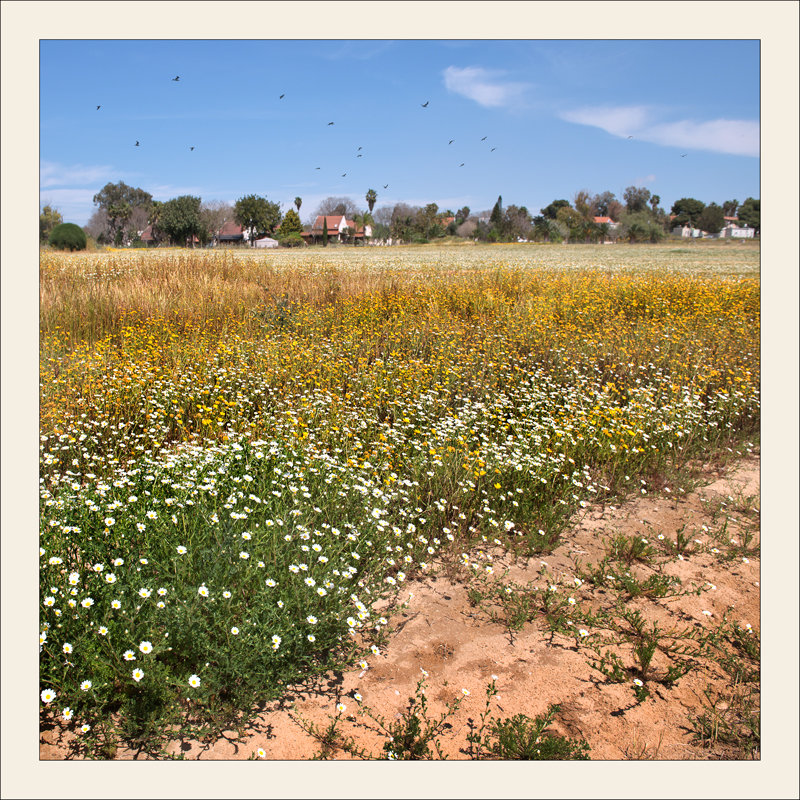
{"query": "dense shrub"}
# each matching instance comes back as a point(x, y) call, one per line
point(67, 236)
point(291, 240)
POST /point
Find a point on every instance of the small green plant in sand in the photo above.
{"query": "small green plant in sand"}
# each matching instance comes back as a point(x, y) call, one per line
point(520, 738)
point(731, 718)
point(628, 629)
point(412, 736)
point(415, 735)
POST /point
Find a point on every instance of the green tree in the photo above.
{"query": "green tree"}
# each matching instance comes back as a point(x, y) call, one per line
point(551, 211)
point(290, 224)
point(518, 222)
point(636, 199)
point(750, 213)
point(497, 222)
point(67, 236)
point(324, 231)
point(687, 211)
point(711, 219)
point(48, 219)
point(602, 202)
point(257, 215)
point(371, 198)
point(119, 200)
point(541, 228)
point(298, 201)
point(462, 215)
point(154, 218)
point(425, 224)
point(640, 227)
point(403, 222)
point(180, 219)
point(573, 221)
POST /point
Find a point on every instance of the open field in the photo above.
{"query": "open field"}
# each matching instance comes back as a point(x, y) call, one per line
point(246, 459)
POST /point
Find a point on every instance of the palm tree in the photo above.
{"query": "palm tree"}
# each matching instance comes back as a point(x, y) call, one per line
point(153, 217)
point(298, 201)
point(361, 221)
point(654, 201)
point(372, 196)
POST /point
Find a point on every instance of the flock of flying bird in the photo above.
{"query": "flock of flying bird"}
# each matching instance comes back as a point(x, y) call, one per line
point(177, 78)
point(358, 155)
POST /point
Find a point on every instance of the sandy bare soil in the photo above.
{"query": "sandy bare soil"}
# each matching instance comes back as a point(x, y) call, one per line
point(460, 647)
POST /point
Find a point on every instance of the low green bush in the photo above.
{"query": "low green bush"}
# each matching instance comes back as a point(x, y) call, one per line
point(67, 236)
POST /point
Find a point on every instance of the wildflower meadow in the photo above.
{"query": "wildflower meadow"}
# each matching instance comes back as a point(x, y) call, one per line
point(241, 453)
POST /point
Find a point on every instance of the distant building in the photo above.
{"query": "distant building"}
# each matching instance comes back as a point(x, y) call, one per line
point(336, 229)
point(266, 242)
point(610, 226)
point(147, 235)
point(231, 233)
point(735, 229)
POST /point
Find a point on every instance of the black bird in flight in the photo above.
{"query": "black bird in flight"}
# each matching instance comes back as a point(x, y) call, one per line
point(98, 108)
point(630, 137)
point(330, 123)
point(385, 185)
point(461, 164)
point(359, 148)
point(493, 149)
point(484, 139)
point(451, 141)
point(281, 97)
point(359, 156)
point(425, 104)
point(191, 148)
point(177, 78)
point(137, 143)
point(683, 155)
point(344, 174)
point(317, 167)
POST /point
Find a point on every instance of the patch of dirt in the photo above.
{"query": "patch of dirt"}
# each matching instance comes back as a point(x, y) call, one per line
point(460, 647)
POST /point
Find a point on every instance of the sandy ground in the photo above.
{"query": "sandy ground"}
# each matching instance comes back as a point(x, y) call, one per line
point(460, 647)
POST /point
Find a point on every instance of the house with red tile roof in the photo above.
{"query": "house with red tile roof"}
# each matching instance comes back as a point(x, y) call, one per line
point(609, 223)
point(336, 229)
point(605, 221)
point(231, 233)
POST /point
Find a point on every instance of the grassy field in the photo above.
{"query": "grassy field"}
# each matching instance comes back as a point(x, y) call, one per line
point(241, 452)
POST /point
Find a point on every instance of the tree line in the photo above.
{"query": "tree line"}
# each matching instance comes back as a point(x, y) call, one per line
point(123, 212)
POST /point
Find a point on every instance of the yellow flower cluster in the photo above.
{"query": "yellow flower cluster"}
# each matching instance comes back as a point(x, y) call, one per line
point(142, 351)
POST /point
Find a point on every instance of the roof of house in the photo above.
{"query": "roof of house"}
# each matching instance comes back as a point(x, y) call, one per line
point(147, 234)
point(334, 220)
point(231, 230)
point(602, 220)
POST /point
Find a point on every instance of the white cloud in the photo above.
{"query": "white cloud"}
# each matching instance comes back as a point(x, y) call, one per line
point(482, 86)
point(731, 136)
point(737, 137)
point(52, 174)
point(618, 121)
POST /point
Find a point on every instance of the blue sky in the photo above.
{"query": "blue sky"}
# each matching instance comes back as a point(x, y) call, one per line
point(679, 117)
